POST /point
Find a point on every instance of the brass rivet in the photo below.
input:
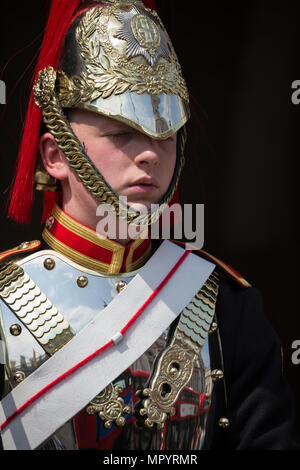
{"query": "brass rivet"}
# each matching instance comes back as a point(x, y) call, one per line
point(82, 281)
point(213, 328)
point(174, 369)
point(15, 329)
point(217, 375)
point(23, 246)
point(49, 263)
point(173, 372)
point(19, 376)
point(120, 285)
point(223, 422)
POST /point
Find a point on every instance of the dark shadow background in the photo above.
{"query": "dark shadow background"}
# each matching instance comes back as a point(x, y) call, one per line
point(239, 60)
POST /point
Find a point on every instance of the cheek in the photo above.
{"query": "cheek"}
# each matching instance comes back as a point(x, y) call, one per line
point(115, 166)
point(170, 162)
point(107, 159)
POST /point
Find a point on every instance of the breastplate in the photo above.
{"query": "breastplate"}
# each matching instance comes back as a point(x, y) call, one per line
point(78, 294)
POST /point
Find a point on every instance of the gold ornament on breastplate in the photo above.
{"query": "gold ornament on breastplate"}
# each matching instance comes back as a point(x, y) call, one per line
point(174, 371)
point(109, 406)
point(176, 363)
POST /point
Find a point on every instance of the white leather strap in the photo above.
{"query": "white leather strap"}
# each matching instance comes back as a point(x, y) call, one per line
point(43, 417)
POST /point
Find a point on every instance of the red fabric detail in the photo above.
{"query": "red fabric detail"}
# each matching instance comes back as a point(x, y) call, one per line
point(150, 4)
point(88, 434)
point(86, 430)
point(124, 263)
point(96, 353)
point(201, 403)
point(163, 445)
point(50, 198)
point(77, 243)
point(140, 250)
point(15, 251)
point(175, 198)
point(85, 247)
point(21, 198)
point(138, 373)
point(221, 262)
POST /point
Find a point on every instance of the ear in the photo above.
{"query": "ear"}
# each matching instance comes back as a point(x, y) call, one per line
point(53, 158)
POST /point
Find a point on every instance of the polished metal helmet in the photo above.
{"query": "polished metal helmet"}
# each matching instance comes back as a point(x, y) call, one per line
point(118, 61)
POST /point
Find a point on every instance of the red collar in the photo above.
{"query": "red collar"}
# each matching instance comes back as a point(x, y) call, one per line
point(85, 247)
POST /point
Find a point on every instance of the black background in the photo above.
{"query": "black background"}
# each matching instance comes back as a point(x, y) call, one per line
point(239, 59)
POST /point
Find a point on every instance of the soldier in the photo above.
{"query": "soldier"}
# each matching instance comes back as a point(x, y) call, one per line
point(121, 342)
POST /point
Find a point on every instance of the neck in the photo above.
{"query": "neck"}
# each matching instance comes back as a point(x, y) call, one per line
point(104, 224)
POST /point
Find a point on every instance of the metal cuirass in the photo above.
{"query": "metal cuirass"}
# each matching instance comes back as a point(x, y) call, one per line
point(56, 300)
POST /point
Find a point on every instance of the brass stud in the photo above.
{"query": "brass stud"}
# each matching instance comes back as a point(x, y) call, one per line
point(217, 375)
point(174, 369)
point(213, 328)
point(19, 376)
point(82, 281)
point(223, 423)
point(173, 372)
point(49, 263)
point(120, 285)
point(15, 329)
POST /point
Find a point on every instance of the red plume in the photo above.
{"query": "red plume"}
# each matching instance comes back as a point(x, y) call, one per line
point(21, 198)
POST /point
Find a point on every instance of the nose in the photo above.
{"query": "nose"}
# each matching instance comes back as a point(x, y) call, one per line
point(148, 152)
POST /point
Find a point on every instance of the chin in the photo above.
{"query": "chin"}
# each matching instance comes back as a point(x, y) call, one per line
point(143, 205)
point(140, 206)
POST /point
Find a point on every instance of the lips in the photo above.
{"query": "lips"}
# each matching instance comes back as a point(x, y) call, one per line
point(145, 181)
point(144, 185)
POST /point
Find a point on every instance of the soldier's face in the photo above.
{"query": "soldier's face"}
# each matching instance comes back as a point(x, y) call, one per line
point(133, 164)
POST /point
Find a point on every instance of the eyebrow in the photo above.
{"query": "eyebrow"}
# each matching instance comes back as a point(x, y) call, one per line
point(115, 128)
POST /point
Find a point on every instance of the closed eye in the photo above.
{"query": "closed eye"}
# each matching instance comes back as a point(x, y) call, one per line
point(116, 135)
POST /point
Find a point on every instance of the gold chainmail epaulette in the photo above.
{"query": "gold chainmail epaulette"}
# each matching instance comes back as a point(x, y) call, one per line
point(33, 308)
